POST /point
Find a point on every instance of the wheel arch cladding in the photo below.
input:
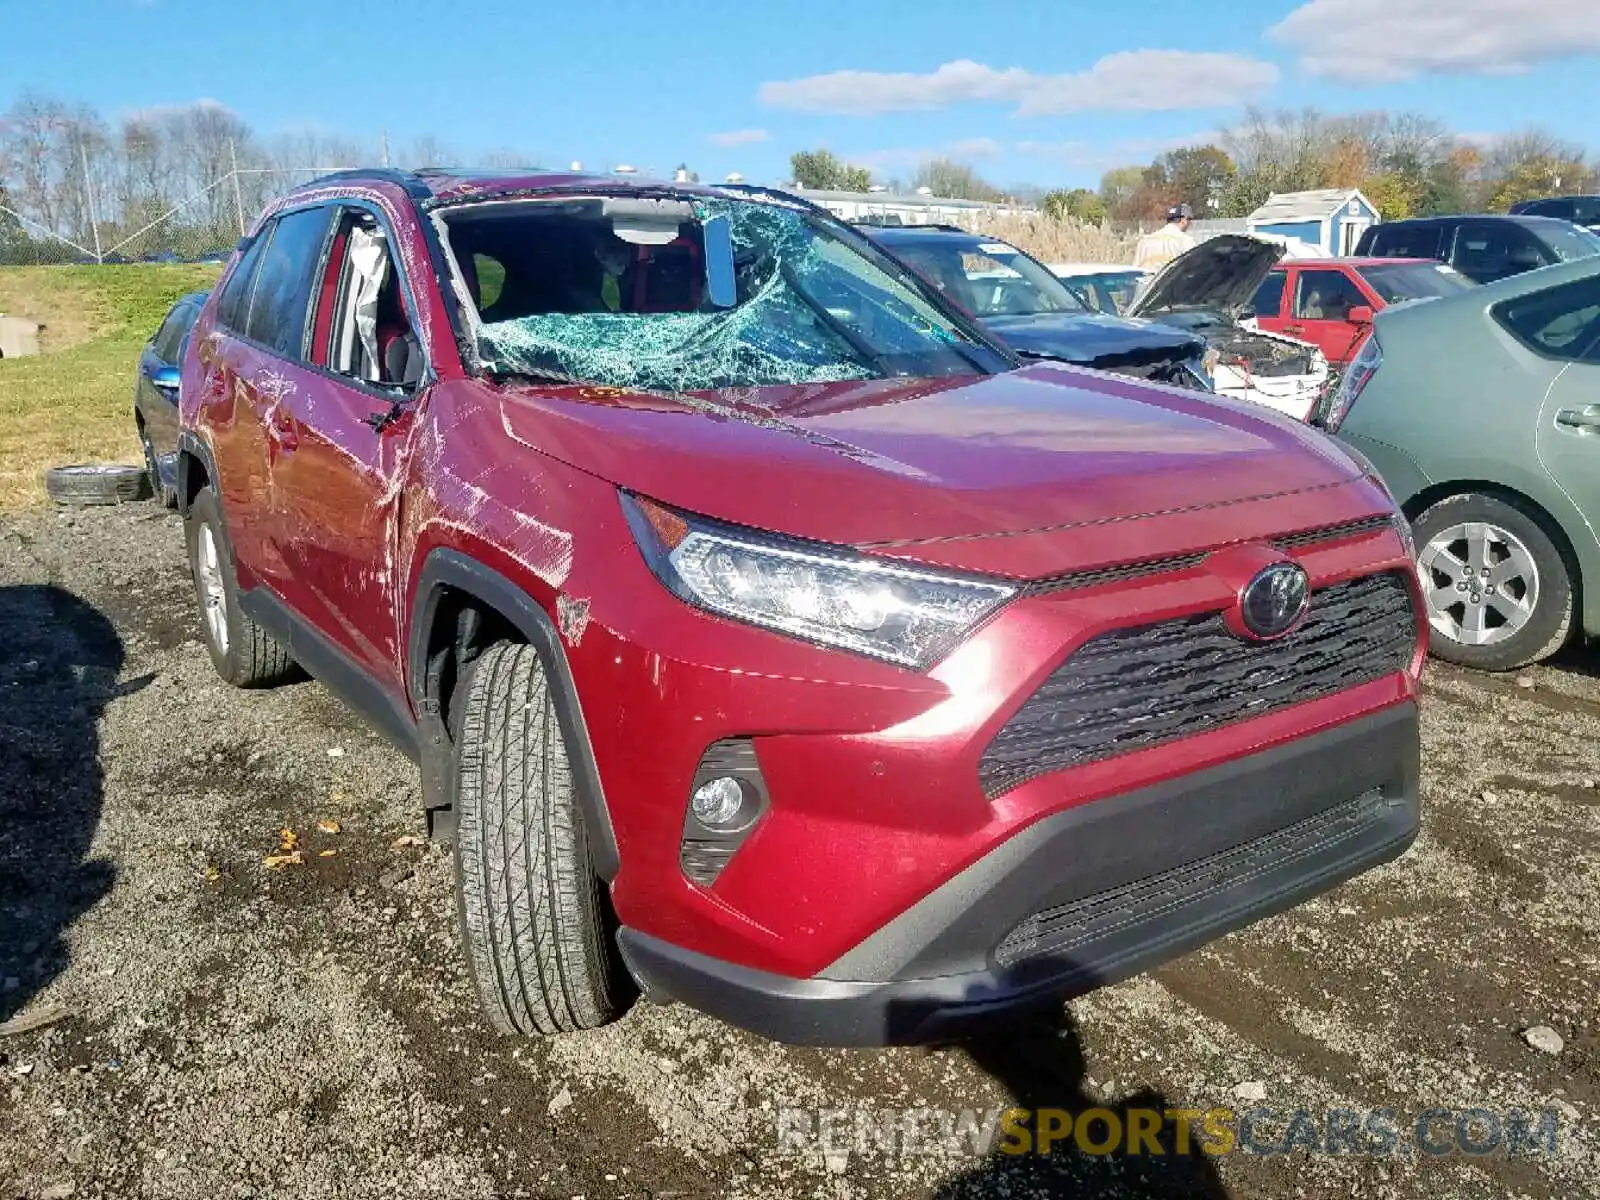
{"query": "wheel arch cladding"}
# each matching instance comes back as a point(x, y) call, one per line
point(195, 470)
point(1527, 505)
point(447, 571)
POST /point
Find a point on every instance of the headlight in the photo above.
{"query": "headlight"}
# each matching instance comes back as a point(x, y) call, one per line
point(835, 597)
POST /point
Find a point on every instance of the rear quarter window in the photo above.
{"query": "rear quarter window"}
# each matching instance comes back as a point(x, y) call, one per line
point(1560, 322)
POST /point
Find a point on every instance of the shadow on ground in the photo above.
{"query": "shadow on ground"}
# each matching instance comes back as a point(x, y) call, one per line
point(59, 660)
point(1040, 1063)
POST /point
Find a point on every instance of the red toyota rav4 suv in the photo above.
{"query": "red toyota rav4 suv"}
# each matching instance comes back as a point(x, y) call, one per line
point(767, 640)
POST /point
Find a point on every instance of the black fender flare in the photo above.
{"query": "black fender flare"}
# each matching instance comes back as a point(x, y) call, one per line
point(191, 447)
point(447, 568)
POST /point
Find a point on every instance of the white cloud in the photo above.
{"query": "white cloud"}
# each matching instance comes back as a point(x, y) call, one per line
point(1134, 80)
point(738, 137)
point(1383, 41)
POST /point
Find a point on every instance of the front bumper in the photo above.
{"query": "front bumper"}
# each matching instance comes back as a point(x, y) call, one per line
point(1088, 896)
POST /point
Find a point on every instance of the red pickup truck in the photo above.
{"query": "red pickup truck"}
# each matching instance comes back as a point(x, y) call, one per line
point(1330, 301)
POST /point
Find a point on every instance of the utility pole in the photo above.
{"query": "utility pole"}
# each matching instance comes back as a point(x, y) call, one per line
point(238, 198)
point(88, 199)
point(383, 137)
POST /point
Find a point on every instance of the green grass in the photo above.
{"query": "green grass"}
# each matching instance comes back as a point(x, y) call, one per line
point(74, 403)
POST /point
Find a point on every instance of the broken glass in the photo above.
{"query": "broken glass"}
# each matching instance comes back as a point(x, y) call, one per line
point(807, 307)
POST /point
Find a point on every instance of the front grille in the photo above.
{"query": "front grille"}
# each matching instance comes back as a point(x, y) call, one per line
point(1329, 533)
point(1069, 927)
point(1134, 688)
point(1095, 576)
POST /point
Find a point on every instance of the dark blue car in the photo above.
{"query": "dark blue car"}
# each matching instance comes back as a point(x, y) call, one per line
point(1034, 313)
point(155, 395)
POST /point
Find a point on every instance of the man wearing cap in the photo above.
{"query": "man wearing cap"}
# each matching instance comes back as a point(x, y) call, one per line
point(1156, 250)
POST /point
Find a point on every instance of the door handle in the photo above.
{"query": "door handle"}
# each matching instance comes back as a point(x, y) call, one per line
point(1580, 420)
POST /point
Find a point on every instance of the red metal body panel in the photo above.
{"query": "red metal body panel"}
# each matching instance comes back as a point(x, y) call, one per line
point(872, 767)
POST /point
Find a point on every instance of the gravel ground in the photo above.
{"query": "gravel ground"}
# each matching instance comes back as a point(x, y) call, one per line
point(225, 1029)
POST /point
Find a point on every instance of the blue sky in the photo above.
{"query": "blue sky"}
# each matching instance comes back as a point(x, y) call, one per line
point(1041, 91)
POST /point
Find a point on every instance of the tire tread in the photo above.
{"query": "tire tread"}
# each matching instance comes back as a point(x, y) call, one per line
point(532, 920)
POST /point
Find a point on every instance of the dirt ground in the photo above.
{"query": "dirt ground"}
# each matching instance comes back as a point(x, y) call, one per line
point(236, 1031)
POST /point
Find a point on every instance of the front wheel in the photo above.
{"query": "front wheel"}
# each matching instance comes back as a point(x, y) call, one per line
point(534, 924)
point(1498, 590)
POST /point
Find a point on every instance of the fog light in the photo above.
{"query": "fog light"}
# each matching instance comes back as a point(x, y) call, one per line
point(718, 803)
point(727, 798)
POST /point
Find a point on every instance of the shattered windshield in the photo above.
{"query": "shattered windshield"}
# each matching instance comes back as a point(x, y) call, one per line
point(676, 296)
point(988, 278)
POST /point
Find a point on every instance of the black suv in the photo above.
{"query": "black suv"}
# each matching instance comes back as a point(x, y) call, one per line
point(1580, 210)
point(1031, 311)
point(1482, 247)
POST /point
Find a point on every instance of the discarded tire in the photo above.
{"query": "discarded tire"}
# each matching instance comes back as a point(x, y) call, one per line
point(96, 483)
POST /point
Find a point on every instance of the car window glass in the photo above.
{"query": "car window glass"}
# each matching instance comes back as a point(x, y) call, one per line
point(371, 338)
point(491, 276)
point(168, 337)
point(1406, 241)
point(1560, 322)
point(1586, 210)
point(234, 307)
point(1487, 251)
point(283, 287)
point(1325, 296)
point(1268, 300)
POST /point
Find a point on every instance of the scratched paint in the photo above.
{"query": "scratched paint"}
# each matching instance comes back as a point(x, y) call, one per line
point(572, 618)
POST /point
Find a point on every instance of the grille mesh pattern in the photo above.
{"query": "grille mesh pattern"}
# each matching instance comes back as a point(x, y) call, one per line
point(1140, 687)
point(1094, 577)
point(1067, 927)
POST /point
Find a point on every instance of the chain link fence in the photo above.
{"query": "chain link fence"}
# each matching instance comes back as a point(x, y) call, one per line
point(203, 226)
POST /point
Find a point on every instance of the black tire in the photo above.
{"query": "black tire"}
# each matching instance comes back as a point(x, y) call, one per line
point(166, 495)
point(250, 657)
point(1548, 627)
point(534, 924)
point(85, 484)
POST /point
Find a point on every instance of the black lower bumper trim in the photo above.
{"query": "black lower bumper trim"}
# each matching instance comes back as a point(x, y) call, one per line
point(1042, 917)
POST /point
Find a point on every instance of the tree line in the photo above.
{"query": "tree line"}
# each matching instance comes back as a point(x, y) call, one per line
point(66, 170)
point(1407, 164)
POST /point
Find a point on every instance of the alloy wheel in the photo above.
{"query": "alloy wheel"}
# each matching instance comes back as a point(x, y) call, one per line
point(213, 594)
point(1481, 583)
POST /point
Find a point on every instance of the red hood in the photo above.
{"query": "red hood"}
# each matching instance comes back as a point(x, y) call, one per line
point(1047, 449)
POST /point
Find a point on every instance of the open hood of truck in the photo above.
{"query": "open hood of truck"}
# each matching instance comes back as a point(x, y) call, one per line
point(1221, 273)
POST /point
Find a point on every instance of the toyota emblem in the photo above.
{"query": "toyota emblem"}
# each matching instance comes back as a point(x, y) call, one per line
point(1273, 602)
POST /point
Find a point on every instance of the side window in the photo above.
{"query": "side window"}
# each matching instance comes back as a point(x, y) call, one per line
point(491, 276)
point(1268, 300)
point(170, 335)
point(362, 328)
point(283, 287)
point(234, 307)
point(1586, 210)
point(1402, 240)
point(1325, 296)
point(1490, 250)
point(1560, 322)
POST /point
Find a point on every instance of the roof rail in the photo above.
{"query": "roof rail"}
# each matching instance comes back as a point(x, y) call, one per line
point(407, 179)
